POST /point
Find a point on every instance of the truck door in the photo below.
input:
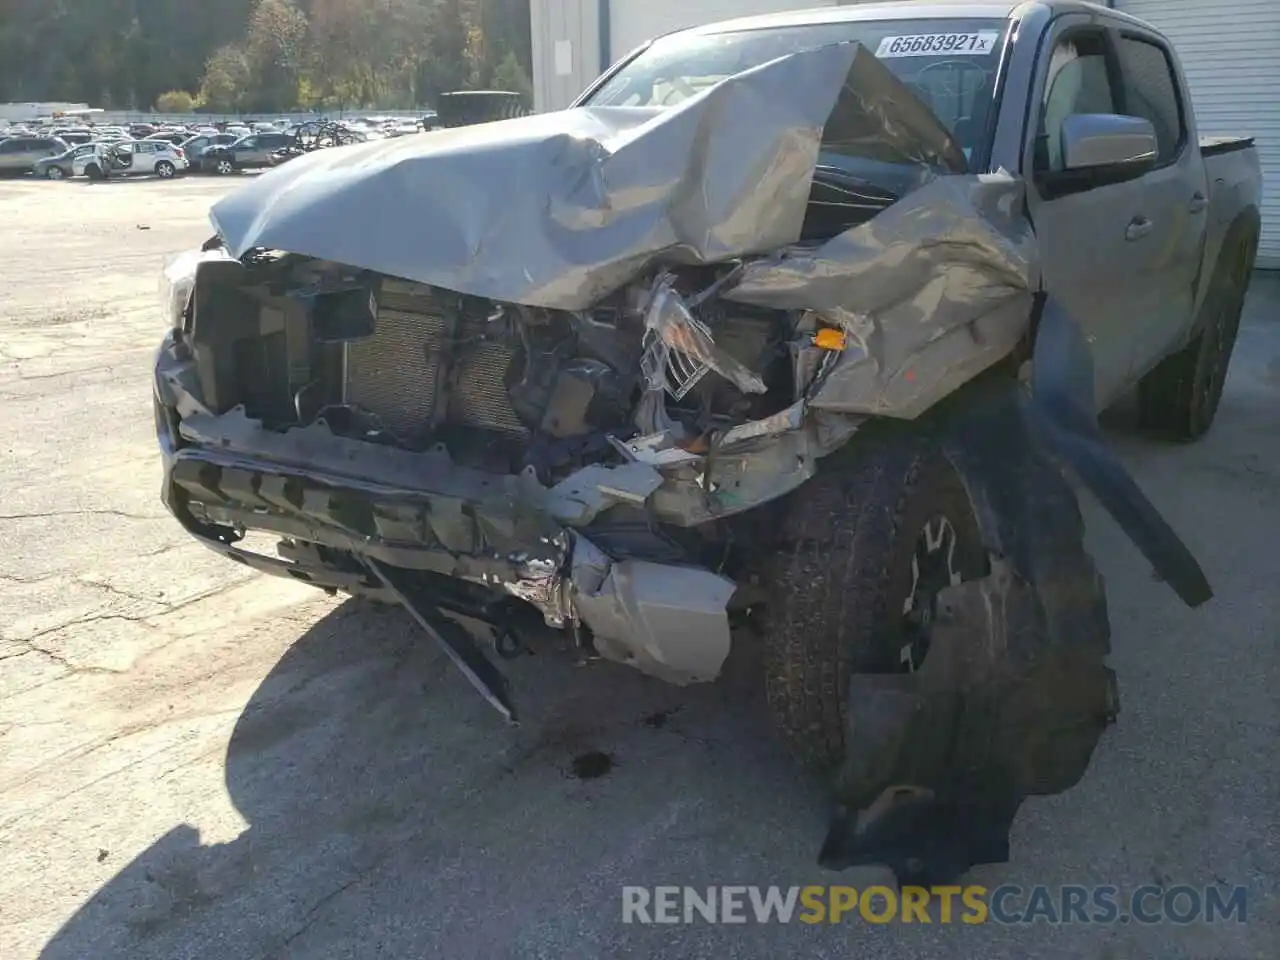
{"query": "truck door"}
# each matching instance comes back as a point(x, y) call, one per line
point(1174, 199)
point(1085, 235)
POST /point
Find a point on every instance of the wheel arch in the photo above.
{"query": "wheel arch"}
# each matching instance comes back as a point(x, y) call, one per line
point(1246, 227)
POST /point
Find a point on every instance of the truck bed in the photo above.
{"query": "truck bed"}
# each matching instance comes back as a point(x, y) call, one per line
point(1213, 146)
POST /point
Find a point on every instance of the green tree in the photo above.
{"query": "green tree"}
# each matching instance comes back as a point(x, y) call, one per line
point(504, 28)
point(175, 101)
point(275, 48)
point(444, 64)
point(259, 54)
point(226, 80)
point(510, 75)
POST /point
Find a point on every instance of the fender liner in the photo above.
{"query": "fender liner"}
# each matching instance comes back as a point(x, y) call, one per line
point(1060, 411)
point(1015, 692)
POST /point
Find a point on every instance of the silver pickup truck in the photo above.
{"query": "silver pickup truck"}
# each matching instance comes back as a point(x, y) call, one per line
point(789, 333)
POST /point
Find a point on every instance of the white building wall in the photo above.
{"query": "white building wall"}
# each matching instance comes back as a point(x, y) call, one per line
point(1229, 51)
point(566, 50)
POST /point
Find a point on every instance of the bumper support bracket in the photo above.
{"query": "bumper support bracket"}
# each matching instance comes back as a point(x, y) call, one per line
point(484, 676)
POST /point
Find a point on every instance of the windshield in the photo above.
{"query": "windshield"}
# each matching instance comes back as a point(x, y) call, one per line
point(949, 64)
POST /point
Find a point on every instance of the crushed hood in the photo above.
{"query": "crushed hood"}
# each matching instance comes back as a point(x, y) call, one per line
point(558, 210)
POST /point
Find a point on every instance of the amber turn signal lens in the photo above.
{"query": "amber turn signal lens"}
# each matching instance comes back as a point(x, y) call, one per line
point(829, 338)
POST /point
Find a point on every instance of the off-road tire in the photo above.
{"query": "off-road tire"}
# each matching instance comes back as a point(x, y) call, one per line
point(836, 583)
point(1180, 397)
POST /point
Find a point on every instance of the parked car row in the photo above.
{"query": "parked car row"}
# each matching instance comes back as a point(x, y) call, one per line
point(102, 152)
point(55, 150)
point(52, 158)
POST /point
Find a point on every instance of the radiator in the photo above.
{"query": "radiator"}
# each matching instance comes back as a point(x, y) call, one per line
point(400, 375)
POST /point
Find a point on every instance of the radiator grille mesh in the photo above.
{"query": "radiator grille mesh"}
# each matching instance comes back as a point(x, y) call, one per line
point(399, 376)
point(394, 373)
point(479, 396)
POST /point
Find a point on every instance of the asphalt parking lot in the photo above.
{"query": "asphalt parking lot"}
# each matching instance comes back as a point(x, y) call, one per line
point(199, 762)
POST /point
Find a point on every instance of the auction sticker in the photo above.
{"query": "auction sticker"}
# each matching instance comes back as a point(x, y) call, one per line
point(935, 44)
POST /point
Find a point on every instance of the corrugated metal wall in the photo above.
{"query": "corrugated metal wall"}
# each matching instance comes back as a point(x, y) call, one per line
point(566, 50)
point(1228, 50)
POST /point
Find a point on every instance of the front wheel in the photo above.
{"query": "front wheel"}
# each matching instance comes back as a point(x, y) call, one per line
point(866, 546)
point(224, 168)
point(165, 170)
point(54, 173)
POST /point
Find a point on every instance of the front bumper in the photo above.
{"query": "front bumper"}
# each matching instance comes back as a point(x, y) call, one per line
point(483, 544)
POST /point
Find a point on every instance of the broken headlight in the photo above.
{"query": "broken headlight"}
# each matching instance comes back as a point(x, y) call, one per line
point(679, 349)
point(177, 280)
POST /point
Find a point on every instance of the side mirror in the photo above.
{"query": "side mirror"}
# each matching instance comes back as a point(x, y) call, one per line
point(1099, 149)
point(1093, 140)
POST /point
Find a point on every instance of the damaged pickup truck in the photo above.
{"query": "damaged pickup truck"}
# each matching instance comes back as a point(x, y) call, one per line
point(792, 324)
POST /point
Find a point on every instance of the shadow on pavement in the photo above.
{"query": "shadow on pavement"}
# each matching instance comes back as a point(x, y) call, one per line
point(388, 805)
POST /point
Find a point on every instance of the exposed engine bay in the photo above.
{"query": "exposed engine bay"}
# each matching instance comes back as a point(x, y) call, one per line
point(502, 387)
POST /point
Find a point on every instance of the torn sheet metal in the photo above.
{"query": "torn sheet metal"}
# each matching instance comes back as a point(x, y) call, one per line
point(751, 464)
point(929, 293)
point(557, 210)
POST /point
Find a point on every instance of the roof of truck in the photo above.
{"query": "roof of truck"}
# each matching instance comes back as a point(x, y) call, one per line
point(901, 10)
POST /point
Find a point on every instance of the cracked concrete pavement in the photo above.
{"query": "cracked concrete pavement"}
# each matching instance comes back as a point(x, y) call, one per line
point(199, 762)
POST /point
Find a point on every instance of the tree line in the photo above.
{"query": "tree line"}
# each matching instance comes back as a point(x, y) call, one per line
point(230, 56)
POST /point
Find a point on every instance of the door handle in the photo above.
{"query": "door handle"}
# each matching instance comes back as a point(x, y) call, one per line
point(1138, 228)
point(1198, 202)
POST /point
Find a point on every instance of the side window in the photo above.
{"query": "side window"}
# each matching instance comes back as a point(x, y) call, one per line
point(1077, 82)
point(1151, 92)
point(250, 143)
